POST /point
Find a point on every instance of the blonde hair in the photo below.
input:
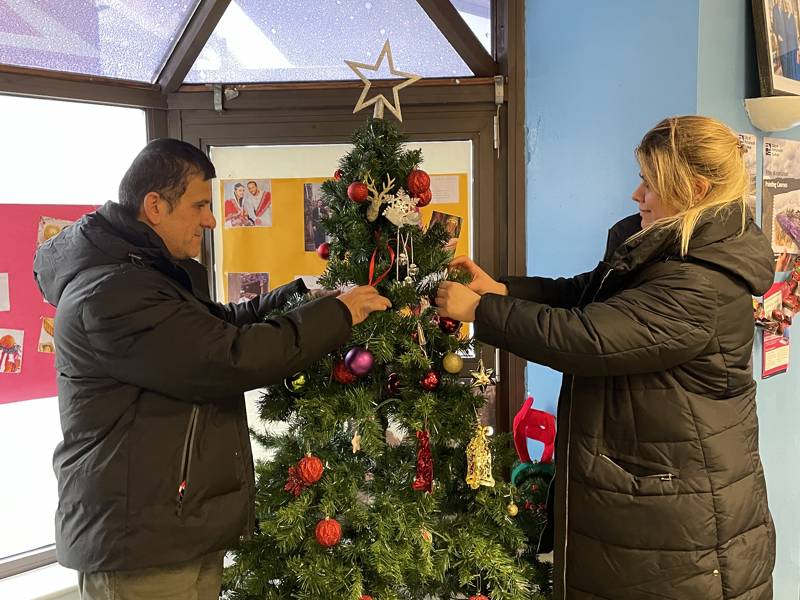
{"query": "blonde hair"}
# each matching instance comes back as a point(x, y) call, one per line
point(681, 153)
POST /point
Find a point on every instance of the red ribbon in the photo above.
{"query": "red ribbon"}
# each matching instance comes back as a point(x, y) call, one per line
point(374, 260)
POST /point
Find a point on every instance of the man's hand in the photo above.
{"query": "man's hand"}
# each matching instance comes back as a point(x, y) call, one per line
point(481, 283)
point(457, 301)
point(362, 301)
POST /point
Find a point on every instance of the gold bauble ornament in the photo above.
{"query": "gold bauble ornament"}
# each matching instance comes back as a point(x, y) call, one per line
point(512, 509)
point(453, 363)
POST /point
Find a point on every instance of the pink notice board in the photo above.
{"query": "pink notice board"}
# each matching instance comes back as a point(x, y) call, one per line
point(27, 367)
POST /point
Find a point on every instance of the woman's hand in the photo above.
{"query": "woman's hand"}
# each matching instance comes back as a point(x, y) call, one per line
point(457, 301)
point(482, 283)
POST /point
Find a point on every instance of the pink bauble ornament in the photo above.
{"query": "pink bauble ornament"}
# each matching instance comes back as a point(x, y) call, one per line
point(359, 360)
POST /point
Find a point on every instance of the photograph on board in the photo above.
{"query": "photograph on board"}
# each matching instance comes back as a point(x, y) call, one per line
point(248, 202)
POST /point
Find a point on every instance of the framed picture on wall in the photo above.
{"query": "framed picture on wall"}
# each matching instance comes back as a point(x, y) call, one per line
point(777, 34)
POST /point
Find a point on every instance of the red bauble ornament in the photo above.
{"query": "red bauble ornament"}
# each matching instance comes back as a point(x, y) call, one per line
point(357, 191)
point(423, 482)
point(418, 181)
point(328, 533)
point(449, 325)
point(431, 380)
point(365, 597)
point(337, 174)
point(478, 597)
point(424, 198)
point(310, 469)
point(393, 384)
point(342, 374)
point(324, 250)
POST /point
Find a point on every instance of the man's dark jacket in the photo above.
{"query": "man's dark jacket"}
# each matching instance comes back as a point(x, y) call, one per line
point(659, 489)
point(155, 467)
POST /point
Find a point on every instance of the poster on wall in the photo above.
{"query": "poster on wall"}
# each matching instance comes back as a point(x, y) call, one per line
point(780, 195)
point(248, 202)
point(314, 210)
point(452, 225)
point(5, 296)
point(47, 343)
point(444, 189)
point(11, 344)
point(748, 142)
point(774, 315)
point(775, 355)
point(50, 228)
point(247, 286)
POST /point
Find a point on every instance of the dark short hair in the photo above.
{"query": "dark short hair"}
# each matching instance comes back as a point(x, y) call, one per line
point(163, 166)
point(253, 182)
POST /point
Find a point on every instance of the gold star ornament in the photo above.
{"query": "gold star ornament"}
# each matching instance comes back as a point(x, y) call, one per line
point(483, 377)
point(380, 101)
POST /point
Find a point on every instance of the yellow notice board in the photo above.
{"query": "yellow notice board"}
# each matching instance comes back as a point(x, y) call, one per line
point(269, 237)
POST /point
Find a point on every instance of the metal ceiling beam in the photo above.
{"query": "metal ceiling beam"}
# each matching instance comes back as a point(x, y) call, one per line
point(342, 94)
point(200, 27)
point(39, 83)
point(461, 37)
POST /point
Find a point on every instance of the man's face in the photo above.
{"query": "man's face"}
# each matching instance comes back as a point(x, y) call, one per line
point(252, 187)
point(182, 229)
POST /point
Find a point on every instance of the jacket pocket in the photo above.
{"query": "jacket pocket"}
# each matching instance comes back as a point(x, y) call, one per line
point(638, 468)
point(186, 459)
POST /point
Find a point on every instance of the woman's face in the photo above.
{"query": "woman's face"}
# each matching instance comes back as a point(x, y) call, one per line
point(651, 208)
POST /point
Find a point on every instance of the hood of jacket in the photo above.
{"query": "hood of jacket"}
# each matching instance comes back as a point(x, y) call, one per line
point(718, 241)
point(108, 236)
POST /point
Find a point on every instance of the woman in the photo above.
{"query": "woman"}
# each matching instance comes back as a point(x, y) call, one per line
point(659, 489)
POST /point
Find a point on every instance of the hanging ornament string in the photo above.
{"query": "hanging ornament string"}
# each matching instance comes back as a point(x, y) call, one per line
point(372, 262)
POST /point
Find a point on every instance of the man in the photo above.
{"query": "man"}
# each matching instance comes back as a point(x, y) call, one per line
point(257, 205)
point(155, 473)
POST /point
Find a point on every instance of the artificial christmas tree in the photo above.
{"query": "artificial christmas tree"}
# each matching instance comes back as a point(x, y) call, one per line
point(394, 488)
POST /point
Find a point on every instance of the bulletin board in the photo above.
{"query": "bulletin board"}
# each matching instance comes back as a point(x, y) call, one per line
point(27, 360)
point(260, 254)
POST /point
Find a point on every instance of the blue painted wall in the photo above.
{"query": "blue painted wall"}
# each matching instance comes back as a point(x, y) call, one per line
point(594, 86)
point(728, 73)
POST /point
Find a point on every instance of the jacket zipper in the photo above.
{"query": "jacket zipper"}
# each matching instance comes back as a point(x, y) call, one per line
point(661, 476)
point(569, 439)
point(186, 460)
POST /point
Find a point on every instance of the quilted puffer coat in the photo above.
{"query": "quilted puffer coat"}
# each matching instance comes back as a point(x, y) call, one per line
point(659, 489)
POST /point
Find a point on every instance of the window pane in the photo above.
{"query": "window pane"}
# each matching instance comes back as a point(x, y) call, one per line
point(66, 152)
point(127, 39)
point(478, 15)
point(29, 432)
point(52, 153)
point(285, 40)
